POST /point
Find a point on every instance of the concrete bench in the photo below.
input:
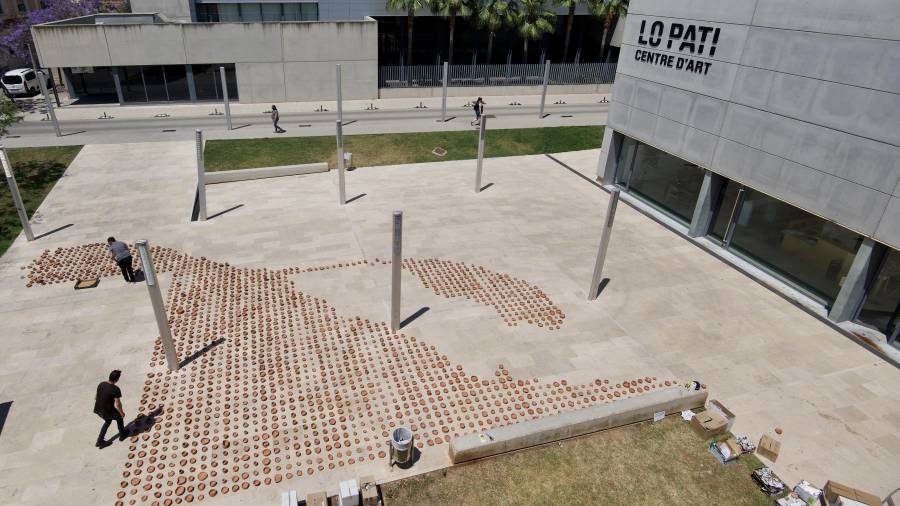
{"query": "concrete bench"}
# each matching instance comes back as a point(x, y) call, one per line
point(574, 423)
point(230, 176)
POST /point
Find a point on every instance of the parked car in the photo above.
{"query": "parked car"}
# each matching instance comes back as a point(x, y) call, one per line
point(22, 81)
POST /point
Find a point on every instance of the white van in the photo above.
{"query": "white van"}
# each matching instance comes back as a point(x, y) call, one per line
point(21, 82)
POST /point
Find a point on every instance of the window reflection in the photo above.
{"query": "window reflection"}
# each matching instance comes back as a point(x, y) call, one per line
point(880, 309)
point(665, 180)
point(810, 250)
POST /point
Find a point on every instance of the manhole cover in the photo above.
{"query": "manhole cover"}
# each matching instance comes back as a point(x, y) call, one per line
point(81, 284)
point(439, 151)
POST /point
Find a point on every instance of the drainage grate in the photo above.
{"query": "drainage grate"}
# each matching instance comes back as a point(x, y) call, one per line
point(169, 130)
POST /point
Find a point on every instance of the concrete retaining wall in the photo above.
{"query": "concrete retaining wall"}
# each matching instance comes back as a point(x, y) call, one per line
point(230, 176)
point(274, 62)
point(575, 423)
point(489, 91)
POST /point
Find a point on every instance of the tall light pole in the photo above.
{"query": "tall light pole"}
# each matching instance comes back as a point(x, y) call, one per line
point(544, 93)
point(396, 264)
point(14, 190)
point(480, 161)
point(201, 175)
point(225, 96)
point(342, 183)
point(594, 290)
point(42, 82)
point(159, 309)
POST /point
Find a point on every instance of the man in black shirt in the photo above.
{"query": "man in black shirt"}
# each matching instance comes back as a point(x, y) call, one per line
point(108, 406)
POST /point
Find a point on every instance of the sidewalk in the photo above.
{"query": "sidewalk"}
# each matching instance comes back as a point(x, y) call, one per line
point(111, 123)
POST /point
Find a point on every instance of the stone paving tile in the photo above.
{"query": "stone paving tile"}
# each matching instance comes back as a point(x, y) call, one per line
point(670, 310)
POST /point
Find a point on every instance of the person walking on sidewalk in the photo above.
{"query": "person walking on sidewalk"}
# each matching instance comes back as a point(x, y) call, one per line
point(478, 106)
point(108, 406)
point(118, 250)
point(275, 118)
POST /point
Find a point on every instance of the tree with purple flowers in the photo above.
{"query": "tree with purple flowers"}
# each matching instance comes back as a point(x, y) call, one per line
point(18, 37)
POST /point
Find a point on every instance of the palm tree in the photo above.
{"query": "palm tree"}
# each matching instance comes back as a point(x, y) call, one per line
point(533, 20)
point(411, 7)
point(451, 9)
point(570, 19)
point(493, 15)
point(608, 10)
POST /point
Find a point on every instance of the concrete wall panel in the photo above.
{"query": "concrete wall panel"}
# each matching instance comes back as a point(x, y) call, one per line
point(176, 10)
point(728, 47)
point(725, 12)
point(623, 89)
point(317, 80)
point(865, 18)
point(260, 82)
point(699, 146)
point(618, 117)
point(716, 83)
point(346, 41)
point(128, 44)
point(233, 42)
point(71, 46)
point(888, 230)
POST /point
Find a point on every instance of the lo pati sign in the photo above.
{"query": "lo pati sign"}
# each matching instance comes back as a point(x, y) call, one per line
point(686, 40)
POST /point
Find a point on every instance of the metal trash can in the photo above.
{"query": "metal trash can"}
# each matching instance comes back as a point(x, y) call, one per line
point(401, 445)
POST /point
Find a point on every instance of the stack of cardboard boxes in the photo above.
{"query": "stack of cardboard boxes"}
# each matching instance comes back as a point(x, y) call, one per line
point(837, 494)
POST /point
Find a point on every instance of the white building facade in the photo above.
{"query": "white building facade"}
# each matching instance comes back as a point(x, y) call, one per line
point(771, 130)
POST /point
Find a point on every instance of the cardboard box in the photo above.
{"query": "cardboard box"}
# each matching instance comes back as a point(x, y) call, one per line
point(717, 407)
point(768, 447)
point(708, 424)
point(368, 490)
point(837, 494)
point(729, 449)
point(317, 499)
point(807, 492)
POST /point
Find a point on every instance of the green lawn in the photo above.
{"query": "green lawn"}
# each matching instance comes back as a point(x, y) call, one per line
point(389, 149)
point(645, 463)
point(37, 170)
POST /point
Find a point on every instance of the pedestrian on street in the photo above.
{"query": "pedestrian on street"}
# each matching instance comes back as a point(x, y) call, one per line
point(108, 406)
point(478, 106)
point(275, 118)
point(118, 250)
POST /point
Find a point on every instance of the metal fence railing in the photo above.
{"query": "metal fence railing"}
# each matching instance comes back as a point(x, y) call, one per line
point(414, 76)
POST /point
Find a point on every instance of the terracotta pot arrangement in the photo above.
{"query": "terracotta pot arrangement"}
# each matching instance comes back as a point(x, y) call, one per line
point(293, 388)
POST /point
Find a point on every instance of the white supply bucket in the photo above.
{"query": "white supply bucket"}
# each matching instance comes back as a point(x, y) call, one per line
point(401, 445)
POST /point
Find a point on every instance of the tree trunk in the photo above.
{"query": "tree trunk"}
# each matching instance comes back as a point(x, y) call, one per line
point(569, 22)
point(490, 47)
point(452, 30)
point(608, 41)
point(606, 23)
point(525, 52)
point(410, 18)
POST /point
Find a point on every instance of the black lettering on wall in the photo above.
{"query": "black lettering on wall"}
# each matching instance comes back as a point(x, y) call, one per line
point(704, 31)
point(715, 40)
point(641, 39)
point(675, 32)
point(690, 36)
point(656, 32)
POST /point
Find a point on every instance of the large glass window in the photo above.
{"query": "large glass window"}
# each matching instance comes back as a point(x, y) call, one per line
point(209, 84)
point(725, 208)
point(803, 247)
point(882, 305)
point(309, 11)
point(665, 180)
point(93, 84)
point(248, 12)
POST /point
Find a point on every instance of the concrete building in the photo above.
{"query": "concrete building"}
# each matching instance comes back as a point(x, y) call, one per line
point(147, 57)
point(11, 9)
point(771, 129)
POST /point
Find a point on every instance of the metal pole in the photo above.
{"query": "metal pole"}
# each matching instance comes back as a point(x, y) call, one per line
point(444, 99)
point(396, 261)
point(159, 309)
point(14, 190)
point(594, 290)
point(340, 161)
point(35, 68)
point(340, 99)
point(544, 93)
point(41, 78)
point(201, 175)
point(480, 154)
point(225, 96)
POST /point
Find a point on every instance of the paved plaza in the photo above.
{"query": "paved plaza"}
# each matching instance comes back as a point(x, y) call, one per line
point(292, 378)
